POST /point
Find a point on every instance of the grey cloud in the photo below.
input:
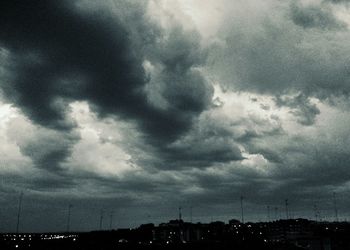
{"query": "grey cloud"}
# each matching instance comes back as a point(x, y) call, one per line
point(307, 162)
point(216, 138)
point(315, 17)
point(205, 144)
point(177, 79)
point(202, 152)
point(47, 148)
point(338, 1)
point(48, 151)
point(271, 55)
point(264, 106)
point(301, 108)
point(328, 161)
point(179, 51)
point(270, 154)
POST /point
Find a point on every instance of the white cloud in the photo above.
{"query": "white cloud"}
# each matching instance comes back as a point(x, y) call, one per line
point(102, 145)
point(11, 158)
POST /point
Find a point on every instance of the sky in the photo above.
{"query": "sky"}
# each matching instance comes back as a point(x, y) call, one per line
point(130, 109)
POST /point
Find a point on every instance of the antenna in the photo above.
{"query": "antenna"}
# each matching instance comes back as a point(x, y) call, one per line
point(242, 209)
point(101, 219)
point(335, 207)
point(19, 211)
point(287, 212)
point(316, 212)
point(276, 213)
point(191, 214)
point(111, 220)
point(180, 215)
point(68, 217)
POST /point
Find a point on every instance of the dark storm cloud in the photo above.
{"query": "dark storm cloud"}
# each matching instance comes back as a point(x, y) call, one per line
point(206, 144)
point(183, 91)
point(201, 154)
point(48, 149)
point(60, 54)
point(187, 149)
point(61, 44)
point(315, 17)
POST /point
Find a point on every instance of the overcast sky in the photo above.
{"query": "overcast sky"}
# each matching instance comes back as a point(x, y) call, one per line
point(139, 107)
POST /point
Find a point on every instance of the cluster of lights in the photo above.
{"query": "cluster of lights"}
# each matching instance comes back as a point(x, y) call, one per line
point(57, 236)
point(15, 237)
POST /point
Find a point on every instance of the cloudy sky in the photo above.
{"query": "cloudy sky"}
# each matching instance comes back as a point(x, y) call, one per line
point(138, 107)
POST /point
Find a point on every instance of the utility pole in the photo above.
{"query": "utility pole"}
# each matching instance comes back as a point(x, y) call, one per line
point(242, 214)
point(268, 214)
point(68, 216)
point(335, 207)
point(19, 211)
point(180, 215)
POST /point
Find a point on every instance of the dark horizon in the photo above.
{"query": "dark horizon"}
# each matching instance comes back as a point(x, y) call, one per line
point(72, 232)
point(187, 223)
point(176, 234)
point(108, 219)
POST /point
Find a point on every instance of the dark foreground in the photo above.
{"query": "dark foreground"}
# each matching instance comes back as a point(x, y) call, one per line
point(176, 234)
